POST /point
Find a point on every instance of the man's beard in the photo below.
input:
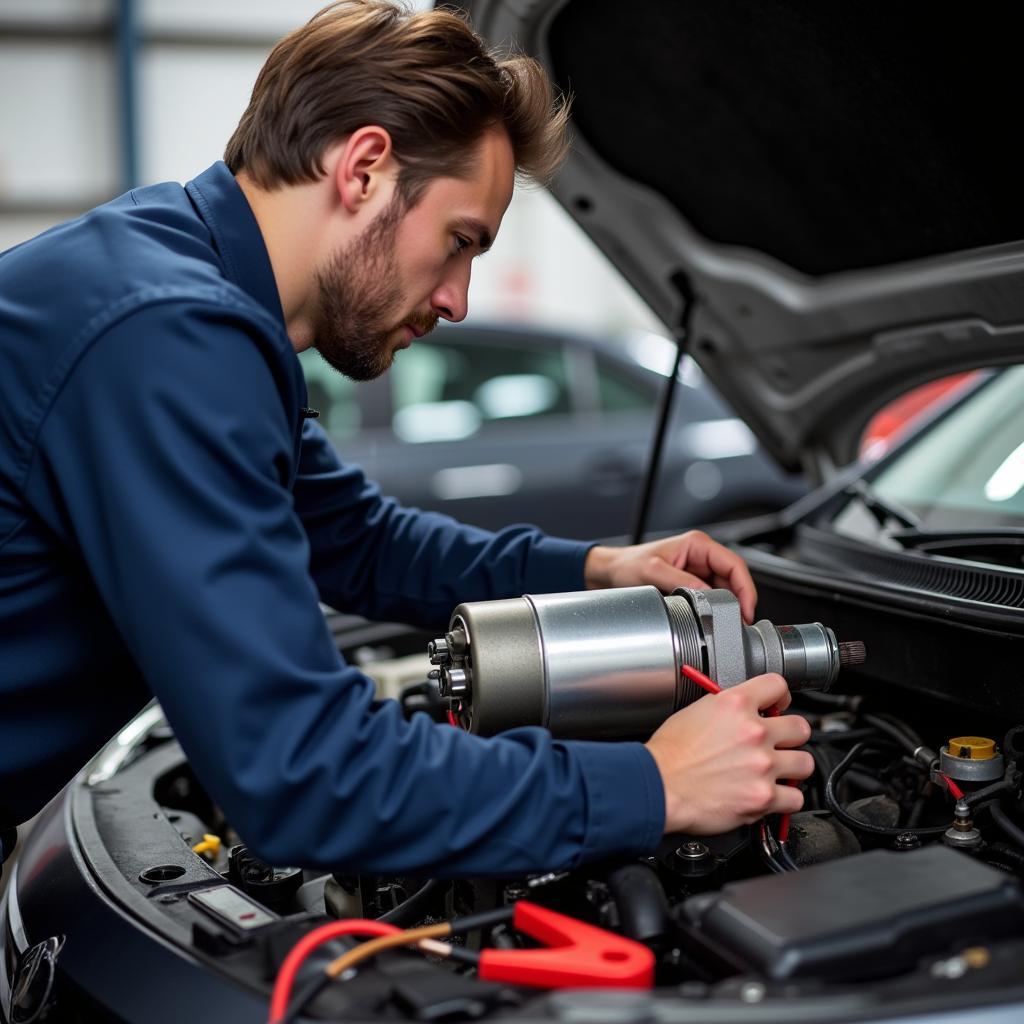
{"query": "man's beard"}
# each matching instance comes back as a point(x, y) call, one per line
point(359, 291)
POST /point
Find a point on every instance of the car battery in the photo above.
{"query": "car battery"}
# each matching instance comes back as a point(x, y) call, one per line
point(869, 915)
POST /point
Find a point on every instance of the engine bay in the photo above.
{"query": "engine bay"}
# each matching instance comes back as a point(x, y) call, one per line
point(899, 879)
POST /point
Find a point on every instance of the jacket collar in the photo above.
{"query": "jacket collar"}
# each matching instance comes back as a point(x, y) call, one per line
point(226, 212)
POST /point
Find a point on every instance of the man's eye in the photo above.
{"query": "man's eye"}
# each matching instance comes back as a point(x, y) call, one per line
point(461, 244)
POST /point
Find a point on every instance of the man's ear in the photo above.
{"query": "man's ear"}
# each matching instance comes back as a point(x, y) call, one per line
point(365, 165)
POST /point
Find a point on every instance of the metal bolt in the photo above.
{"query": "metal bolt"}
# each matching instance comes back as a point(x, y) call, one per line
point(907, 841)
point(963, 840)
point(438, 652)
point(962, 833)
point(541, 880)
point(456, 682)
point(692, 851)
point(440, 676)
point(457, 642)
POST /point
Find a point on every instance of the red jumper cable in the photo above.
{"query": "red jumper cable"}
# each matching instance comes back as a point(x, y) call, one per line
point(575, 954)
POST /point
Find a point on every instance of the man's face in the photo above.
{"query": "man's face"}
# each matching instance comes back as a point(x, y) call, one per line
point(410, 267)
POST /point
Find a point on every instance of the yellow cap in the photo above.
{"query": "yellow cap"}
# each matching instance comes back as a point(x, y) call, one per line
point(976, 748)
point(210, 847)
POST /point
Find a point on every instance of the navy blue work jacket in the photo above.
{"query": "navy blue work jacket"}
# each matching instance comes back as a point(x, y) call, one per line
point(168, 525)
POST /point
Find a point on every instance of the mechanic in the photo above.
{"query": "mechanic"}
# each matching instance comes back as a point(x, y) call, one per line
point(170, 516)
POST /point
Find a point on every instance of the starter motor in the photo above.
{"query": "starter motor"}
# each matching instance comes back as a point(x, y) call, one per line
point(607, 663)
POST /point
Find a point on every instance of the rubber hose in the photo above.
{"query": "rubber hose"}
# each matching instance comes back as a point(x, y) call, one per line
point(641, 902)
point(894, 732)
point(412, 910)
point(855, 823)
point(1004, 853)
point(1006, 826)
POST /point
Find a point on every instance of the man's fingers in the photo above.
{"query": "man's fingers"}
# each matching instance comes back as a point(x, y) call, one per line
point(666, 577)
point(713, 561)
point(794, 764)
point(788, 800)
point(789, 731)
point(693, 559)
point(765, 691)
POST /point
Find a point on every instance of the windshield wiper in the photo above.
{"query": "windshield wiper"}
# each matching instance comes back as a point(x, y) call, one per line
point(883, 509)
point(998, 545)
point(936, 540)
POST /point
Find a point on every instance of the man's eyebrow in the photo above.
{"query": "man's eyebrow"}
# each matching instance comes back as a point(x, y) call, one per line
point(478, 228)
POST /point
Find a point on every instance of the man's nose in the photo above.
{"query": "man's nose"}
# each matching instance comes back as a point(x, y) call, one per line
point(450, 300)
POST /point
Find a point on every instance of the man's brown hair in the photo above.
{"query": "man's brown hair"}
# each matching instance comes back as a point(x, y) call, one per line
point(424, 76)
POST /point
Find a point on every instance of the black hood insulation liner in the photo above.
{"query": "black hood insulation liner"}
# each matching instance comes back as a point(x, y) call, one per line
point(832, 136)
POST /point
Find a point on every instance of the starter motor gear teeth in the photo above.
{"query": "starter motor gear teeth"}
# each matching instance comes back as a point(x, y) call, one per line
point(607, 663)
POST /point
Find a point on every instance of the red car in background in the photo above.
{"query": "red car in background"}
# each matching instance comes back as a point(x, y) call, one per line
point(888, 425)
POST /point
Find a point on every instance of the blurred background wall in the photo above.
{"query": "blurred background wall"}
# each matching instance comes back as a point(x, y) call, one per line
point(97, 96)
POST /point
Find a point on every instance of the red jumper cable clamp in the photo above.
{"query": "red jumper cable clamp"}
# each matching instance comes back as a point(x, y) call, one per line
point(577, 955)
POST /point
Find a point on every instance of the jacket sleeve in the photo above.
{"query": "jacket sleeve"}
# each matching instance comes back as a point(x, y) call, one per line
point(372, 556)
point(164, 464)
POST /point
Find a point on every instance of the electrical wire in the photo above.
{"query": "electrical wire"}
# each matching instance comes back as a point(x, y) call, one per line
point(979, 795)
point(901, 735)
point(954, 789)
point(767, 853)
point(412, 936)
point(786, 859)
point(776, 852)
point(429, 946)
point(387, 937)
point(855, 823)
point(301, 951)
point(773, 712)
point(366, 950)
point(305, 996)
point(897, 723)
point(784, 822)
point(823, 765)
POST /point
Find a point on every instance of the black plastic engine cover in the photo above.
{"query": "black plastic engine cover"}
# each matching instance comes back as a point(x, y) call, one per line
point(864, 916)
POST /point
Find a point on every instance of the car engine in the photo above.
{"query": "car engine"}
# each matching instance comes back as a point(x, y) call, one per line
point(903, 866)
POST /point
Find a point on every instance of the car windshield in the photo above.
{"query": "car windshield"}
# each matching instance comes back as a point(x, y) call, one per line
point(963, 473)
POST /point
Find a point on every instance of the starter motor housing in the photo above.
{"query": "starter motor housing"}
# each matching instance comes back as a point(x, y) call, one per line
point(607, 663)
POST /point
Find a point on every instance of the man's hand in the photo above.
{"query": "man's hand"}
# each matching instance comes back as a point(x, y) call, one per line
point(691, 559)
point(723, 765)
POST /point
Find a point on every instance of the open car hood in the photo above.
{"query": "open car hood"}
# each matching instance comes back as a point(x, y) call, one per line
point(832, 189)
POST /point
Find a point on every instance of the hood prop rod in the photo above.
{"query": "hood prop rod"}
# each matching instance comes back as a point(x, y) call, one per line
point(665, 410)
